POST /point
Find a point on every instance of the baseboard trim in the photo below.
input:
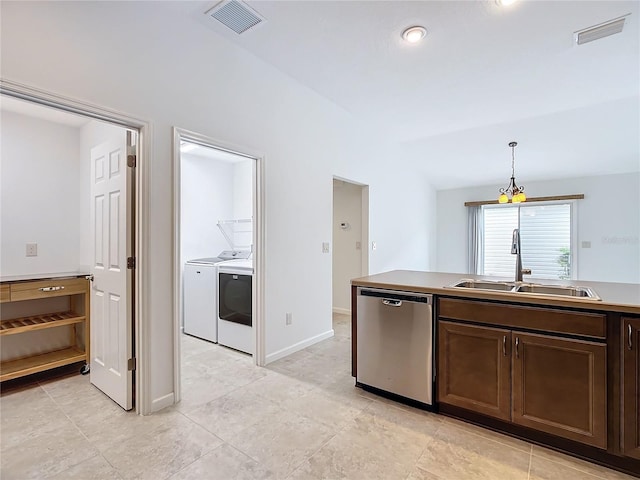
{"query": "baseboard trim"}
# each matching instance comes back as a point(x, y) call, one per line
point(343, 311)
point(162, 402)
point(298, 346)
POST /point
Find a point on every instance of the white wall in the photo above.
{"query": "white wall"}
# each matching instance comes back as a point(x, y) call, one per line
point(305, 140)
point(207, 196)
point(243, 202)
point(39, 195)
point(243, 189)
point(347, 259)
point(608, 217)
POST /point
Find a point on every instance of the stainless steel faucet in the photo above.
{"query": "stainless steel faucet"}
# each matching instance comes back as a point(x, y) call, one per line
point(516, 250)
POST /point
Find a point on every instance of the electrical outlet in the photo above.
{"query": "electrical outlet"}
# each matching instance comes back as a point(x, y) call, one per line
point(586, 244)
point(32, 249)
point(325, 247)
point(289, 318)
point(358, 245)
point(374, 245)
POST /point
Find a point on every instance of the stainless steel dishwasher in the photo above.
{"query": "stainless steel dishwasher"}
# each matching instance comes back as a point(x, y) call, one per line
point(395, 343)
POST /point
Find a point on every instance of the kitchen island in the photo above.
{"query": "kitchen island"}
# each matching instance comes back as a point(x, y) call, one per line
point(560, 371)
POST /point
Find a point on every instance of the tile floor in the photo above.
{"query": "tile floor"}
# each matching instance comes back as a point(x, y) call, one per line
point(300, 418)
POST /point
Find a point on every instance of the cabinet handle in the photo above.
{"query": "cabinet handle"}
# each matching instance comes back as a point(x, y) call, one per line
point(629, 337)
point(51, 289)
point(517, 343)
point(504, 346)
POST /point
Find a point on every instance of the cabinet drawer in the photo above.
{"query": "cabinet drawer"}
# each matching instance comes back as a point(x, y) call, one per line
point(518, 316)
point(47, 288)
point(5, 293)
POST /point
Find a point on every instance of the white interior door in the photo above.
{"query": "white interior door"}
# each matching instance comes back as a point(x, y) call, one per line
point(111, 318)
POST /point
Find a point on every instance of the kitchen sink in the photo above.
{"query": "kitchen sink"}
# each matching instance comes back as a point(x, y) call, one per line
point(484, 285)
point(531, 288)
point(562, 290)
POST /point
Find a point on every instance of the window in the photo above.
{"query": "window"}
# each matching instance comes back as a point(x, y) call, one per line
point(545, 235)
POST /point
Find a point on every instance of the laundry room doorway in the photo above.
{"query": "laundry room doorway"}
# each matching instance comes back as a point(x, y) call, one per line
point(218, 257)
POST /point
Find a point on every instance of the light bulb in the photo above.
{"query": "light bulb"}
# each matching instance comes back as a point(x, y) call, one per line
point(523, 197)
point(503, 198)
point(516, 198)
point(414, 34)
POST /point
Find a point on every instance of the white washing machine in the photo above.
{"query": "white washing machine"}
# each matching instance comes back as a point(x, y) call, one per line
point(200, 294)
point(235, 316)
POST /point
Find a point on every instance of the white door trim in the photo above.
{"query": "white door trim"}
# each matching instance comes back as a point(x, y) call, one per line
point(258, 242)
point(141, 202)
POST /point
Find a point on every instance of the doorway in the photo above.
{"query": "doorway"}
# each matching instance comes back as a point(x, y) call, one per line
point(218, 254)
point(79, 136)
point(350, 257)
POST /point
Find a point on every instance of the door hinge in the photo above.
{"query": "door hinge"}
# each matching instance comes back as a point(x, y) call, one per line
point(131, 364)
point(131, 263)
point(131, 161)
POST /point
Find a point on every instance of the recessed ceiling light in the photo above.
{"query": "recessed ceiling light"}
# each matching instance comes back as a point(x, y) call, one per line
point(414, 34)
point(505, 3)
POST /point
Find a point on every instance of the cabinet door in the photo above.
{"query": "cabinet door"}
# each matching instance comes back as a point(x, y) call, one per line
point(474, 368)
point(631, 387)
point(559, 387)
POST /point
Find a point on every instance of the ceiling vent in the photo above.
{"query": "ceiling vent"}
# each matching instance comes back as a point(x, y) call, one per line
point(238, 16)
point(599, 31)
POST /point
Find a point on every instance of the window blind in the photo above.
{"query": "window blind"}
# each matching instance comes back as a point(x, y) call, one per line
point(498, 229)
point(545, 235)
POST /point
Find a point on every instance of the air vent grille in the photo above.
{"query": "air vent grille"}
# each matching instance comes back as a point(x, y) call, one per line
point(600, 31)
point(235, 15)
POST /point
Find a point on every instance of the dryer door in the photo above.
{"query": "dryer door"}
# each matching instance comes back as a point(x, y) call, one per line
point(235, 298)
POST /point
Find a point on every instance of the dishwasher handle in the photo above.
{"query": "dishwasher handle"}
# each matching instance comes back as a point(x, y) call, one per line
point(394, 295)
point(392, 303)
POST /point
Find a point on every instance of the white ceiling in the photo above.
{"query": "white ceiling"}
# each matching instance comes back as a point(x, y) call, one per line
point(485, 75)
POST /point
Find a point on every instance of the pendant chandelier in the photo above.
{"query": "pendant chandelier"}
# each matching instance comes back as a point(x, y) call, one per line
point(513, 190)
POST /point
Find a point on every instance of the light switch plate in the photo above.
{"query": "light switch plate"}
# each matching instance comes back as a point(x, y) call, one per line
point(325, 247)
point(374, 245)
point(586, 244)
point(32, 249)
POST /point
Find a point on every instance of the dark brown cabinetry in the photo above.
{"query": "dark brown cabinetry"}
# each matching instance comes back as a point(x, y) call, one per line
point(631, 387)
point(559, 386)
point(547, 383)
point(475, 368)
